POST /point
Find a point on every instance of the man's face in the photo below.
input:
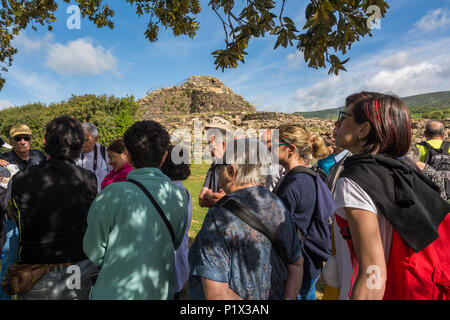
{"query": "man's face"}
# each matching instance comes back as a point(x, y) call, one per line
point(89, 142)
point(267, 137)
point(21, 143)
point(217, 148)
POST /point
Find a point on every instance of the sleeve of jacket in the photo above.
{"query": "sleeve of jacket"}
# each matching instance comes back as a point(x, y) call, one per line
point(100, 223)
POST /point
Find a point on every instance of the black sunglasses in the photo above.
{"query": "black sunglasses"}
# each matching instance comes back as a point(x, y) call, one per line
point(19, 138)
point(343, 115)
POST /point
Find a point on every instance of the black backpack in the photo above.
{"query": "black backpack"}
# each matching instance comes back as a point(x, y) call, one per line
point(322, 174)
point(317, 241)
point(439, 159)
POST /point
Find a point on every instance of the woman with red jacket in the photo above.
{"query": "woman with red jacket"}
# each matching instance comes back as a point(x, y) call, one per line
point(387, 213)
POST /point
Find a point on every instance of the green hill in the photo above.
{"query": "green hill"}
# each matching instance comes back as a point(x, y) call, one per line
point(434, 105)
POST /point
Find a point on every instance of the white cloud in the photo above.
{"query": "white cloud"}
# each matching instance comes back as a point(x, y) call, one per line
point(5, 104)
point(319, 96)
point(421, 68)
point(295, 60)
point(23, 42)
point(82, 57)
point(422, 77)
point(434, 19)
point(397, 60)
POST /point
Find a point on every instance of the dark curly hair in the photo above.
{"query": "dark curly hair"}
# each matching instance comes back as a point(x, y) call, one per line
point(146, 142)
point(64, 138)
point(176, 172)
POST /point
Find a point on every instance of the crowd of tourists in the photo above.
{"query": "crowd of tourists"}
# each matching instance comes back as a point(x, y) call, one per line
point(365, 208)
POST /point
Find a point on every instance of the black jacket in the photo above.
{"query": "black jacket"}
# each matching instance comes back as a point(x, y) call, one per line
point(53, 199)
point(36, 157)
point(409, 200)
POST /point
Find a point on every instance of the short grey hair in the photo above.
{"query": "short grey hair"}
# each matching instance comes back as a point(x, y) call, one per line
point(251, 159)
point(90, 128)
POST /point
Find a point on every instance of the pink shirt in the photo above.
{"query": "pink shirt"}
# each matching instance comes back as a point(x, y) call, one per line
point(118, 176)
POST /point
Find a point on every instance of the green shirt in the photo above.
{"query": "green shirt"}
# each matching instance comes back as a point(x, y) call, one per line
point(423, 150)
point(127, 238)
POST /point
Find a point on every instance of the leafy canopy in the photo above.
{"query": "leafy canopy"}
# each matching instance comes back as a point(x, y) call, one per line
point(111, 115)
point(331, 26)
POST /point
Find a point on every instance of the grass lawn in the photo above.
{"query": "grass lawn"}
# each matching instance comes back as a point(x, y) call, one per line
point(194, 184)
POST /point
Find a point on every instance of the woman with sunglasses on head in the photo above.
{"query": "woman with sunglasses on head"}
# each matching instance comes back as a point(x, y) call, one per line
point(382, 204)
point(299, 193)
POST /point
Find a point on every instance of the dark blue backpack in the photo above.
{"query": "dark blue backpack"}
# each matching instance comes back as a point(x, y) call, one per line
point(317, 240)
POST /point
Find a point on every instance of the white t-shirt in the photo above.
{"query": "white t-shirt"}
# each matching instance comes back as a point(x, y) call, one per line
point(349, 194)
point(87, 162)
point(276, 174)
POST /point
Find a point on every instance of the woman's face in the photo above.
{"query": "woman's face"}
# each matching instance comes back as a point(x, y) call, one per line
point(348, 133)
point(116, 160)
point(284, 154)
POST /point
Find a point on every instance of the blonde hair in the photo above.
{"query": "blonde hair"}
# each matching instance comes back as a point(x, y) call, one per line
point(308, 145)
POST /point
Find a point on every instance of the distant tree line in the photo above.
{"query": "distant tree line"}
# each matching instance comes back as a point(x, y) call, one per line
point(111, 115)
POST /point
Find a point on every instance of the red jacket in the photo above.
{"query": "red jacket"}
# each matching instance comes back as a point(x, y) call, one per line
point(118, 176)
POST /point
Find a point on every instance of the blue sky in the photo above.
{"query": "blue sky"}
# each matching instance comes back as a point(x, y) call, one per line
point(409, 55)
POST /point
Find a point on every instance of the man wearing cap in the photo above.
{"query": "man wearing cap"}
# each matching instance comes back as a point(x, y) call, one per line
point(24, 157)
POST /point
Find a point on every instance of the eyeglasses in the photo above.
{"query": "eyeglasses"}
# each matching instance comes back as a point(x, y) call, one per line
point(343, 115)
point(19, 138)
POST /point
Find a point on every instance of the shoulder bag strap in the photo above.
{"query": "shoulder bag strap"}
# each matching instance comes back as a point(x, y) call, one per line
point(103, 152)
point(445, 146)
point(253, 221)
point(158, 208)
point(302, 169)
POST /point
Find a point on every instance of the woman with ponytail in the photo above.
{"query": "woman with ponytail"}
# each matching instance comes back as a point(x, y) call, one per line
point(299, 193)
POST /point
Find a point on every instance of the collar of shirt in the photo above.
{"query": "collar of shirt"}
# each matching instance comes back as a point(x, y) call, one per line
point(340, 156)
point(145, 173)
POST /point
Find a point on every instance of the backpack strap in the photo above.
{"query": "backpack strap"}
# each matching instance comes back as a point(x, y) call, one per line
point(345, 233)
point(253, 221)
point(158, 208)
point(444, 147)
point(103, 152)
point(302, 169)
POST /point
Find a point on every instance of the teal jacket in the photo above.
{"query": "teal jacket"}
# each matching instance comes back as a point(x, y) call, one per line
point(127, 238)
